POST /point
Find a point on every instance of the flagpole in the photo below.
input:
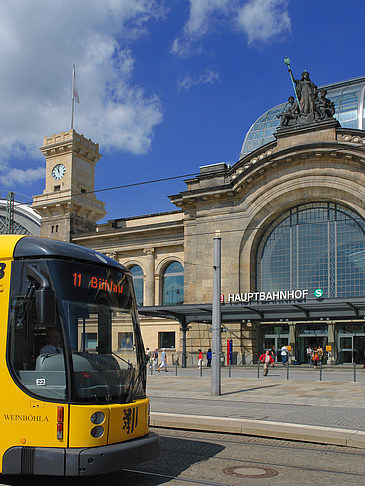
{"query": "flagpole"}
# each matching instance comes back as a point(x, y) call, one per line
point(72, 113)
point(75, 95)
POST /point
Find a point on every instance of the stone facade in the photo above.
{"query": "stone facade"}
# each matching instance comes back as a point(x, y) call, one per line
point(68, 205)
point(322, 162)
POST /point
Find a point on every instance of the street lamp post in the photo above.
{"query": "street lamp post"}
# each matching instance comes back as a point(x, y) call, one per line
point(216, 318)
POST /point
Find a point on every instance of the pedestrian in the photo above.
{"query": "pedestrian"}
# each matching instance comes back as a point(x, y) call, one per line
point(267, 359)
point(309, 354)
point(284, 354)
point(163, 363)
point(200, 358)
point(155, 359)
point(315, 358)
point(320, 354)
point(148, 354)
point(273, 352)
point(209, 358)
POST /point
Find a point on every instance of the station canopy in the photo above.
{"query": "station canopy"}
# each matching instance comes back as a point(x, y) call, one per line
point(309, 310)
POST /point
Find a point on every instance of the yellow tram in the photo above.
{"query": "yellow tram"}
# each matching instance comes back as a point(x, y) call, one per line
point(72, 362)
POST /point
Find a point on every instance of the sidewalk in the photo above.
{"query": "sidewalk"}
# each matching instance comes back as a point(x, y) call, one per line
point(302, 408)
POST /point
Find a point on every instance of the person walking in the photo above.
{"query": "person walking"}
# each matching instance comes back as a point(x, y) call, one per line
point(200, 358)
point(315, 358)
point(163, 363)
point(209, 358)
point(267, 360)
point(155, 359)
point(284, 354)
point(320, 353)
point(148, 354)
point(309, 354)
point(273, 352)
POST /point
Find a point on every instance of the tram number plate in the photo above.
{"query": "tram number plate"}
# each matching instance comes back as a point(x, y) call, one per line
point(40, 381)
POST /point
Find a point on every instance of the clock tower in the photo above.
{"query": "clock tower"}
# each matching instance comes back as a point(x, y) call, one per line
point(68, 205)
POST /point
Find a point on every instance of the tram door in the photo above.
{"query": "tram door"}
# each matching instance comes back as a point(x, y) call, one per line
point(277, 340)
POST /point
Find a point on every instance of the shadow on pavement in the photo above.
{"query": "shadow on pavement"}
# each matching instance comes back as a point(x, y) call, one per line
point(250, 389)
point(177, 455)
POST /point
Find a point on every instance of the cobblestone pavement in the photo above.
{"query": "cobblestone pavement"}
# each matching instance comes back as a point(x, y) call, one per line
point(339, 403)
point(212, 459)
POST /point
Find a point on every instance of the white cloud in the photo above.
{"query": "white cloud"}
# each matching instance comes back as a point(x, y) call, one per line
point(202, 15)
point(20, 176)
point(208, 77)
point(39, 42)
point(259, 19)
point(264, 19)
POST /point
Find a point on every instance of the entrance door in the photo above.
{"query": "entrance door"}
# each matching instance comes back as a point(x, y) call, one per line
point(314, 341)
point(351, 348)
point(345, 348)
point(277, 340)
point(359, 349)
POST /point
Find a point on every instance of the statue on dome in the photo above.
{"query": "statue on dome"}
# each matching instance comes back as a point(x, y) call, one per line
point(306, 91)
point(311, 103)
point(289, 115)
point(325, 108)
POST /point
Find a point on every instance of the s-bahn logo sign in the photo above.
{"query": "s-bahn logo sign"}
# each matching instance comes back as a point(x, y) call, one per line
point(274, 296)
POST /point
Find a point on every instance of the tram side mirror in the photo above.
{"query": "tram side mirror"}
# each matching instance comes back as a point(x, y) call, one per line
point(46, 307)
point(45, 297)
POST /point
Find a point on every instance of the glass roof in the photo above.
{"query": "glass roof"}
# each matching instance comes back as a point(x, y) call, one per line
point(348, 97)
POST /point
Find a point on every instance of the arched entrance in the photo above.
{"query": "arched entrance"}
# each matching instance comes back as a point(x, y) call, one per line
point(316, 246)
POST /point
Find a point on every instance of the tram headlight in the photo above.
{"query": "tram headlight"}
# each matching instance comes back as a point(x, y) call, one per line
point(97, 418)
point(97, 431)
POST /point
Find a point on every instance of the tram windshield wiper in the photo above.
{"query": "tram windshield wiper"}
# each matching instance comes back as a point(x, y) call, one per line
point(130, 365)
point(134, 385)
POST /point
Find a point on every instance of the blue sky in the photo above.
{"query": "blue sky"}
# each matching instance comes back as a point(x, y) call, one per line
point(165, 86)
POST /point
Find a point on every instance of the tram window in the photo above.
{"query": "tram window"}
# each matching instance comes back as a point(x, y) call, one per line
point(101, 368)
point(42, 374)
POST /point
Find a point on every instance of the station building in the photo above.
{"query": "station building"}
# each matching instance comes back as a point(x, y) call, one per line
point(291, 217)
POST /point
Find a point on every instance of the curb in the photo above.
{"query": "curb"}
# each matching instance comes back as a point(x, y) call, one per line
point(261, 428)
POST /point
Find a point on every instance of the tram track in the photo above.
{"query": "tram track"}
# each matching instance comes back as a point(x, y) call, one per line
point(269, 443)
point(175, 478)
point(257, 463)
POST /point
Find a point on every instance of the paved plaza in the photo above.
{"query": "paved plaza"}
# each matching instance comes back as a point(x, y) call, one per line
point(302, 402)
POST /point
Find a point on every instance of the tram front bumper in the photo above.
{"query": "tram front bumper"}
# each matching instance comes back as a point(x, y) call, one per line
point(80, 462)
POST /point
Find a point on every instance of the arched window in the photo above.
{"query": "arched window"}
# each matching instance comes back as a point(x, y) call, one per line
point(137, 275)
point(173, 284)
point(316, 245)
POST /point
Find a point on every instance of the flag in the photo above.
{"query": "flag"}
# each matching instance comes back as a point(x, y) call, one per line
point(75, 93)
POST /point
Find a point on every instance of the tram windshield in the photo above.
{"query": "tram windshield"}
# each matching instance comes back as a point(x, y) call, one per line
point(92, 350)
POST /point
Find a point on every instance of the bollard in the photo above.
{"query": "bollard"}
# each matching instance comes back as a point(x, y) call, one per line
point(201, 370)
point(229, 371)
point(287, 370)
point(354, 372)
point(258, 369)
point(320, 371)
point(175, 368)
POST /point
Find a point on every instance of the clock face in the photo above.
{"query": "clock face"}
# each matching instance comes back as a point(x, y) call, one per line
point(58, 171)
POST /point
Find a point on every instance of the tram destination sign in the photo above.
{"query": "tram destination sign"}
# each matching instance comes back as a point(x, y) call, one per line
point(274, 296)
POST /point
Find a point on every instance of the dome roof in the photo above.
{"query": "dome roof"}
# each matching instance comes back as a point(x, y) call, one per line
point(26, 220)
point(348, 97)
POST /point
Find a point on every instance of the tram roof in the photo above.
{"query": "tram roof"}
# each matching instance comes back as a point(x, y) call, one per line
point(33, 246)
point(309, 310)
